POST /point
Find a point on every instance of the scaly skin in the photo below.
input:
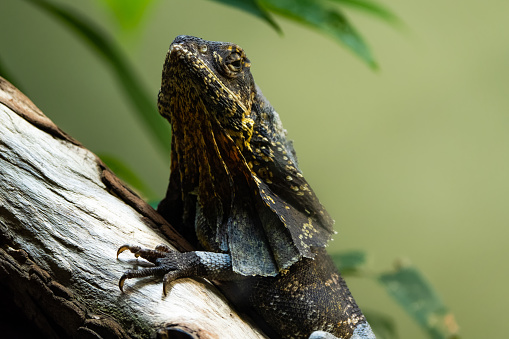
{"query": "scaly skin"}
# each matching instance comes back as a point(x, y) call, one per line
point(237, 194)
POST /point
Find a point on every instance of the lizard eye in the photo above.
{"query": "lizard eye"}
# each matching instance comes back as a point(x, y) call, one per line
point(233, 64)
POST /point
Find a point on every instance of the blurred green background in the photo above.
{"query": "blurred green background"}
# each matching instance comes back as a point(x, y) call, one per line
point(412, 161)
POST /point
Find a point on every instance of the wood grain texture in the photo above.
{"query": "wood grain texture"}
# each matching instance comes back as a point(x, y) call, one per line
point(63, 215)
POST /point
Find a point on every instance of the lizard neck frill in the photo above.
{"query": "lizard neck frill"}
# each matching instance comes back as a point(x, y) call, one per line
point(281, 185)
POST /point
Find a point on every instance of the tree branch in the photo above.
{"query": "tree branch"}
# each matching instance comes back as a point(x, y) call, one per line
point(63, 214)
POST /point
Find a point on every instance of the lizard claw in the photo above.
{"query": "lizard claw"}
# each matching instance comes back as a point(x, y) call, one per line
point(169, 278)
point(121, 282)
point(127, 247)
point(146, 272)
point(166, 282)
point(151, 255)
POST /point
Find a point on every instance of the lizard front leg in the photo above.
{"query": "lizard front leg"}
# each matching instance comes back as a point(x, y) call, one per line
point(175, 265)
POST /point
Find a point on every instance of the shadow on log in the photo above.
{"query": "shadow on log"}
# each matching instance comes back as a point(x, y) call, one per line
point(63, 214)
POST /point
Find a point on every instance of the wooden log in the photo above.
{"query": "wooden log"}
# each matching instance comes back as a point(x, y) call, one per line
point(63, 215)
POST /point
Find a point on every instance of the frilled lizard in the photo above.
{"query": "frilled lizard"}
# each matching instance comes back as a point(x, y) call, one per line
point(237, 194)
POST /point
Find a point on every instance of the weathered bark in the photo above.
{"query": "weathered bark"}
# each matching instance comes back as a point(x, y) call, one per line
point(63, 214)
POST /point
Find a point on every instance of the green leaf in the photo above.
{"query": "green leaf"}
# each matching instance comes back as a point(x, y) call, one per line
point(106, 48)
point(349, 262)
point(326, 20)
point(254, 8)
point(371, 8)
point(383, 326)
point(127, 13)
point(124, 172)
point(413, 292)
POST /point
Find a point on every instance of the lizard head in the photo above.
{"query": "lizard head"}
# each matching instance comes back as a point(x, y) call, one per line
point(214, 76)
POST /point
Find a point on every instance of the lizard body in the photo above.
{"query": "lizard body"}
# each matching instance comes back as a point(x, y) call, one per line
point(237, 194)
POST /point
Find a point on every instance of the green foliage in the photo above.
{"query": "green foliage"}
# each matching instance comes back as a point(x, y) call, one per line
point(416, 295)
point(372, 8)
point(318, 15)
point(349, 263)
point(321, 16)
point(106, 48)
point(127, 13)
point(253, 7)
point(326, 20)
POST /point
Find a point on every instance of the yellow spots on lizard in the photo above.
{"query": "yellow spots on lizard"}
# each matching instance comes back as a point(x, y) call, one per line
point(265, 174)
point(307, 230)
point(290, 168)
point(289, 178)
point(218, 93)
point(284, 272)
point(267, 198)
